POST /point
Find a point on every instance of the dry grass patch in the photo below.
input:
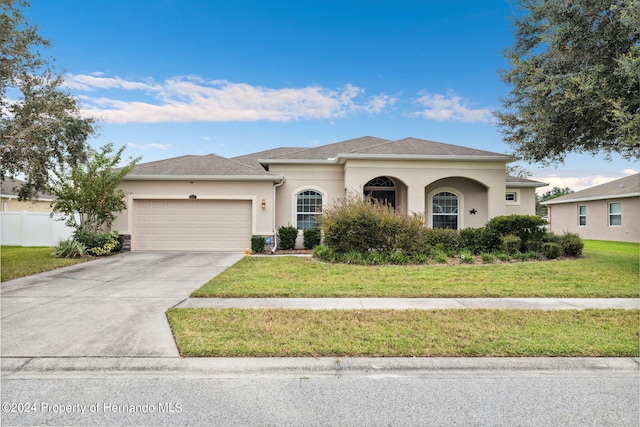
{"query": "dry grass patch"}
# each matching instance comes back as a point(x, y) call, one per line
point(405, 333)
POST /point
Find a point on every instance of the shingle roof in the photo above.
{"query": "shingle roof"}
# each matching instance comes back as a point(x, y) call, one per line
point(209, 165)
point(252, 158)
point(515, 181)
point(628, 186)
point(330, 151)
point(11, 187)
point(377, 147)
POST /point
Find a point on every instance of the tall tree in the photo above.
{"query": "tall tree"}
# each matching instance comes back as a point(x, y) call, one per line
point(91, 190)
point(41, 128)
point(575, 77)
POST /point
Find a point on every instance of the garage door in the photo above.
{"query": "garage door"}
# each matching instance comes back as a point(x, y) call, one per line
point(191, 225)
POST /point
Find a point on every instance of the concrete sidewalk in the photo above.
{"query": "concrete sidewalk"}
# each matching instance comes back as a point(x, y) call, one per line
point(413, 303)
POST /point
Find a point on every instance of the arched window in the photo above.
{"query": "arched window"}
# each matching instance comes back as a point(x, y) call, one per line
point(444, 210)
point(382, 189)
point(308, 209)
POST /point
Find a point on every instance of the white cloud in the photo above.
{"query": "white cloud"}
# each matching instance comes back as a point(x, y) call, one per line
point(450, 107)
point(192, 99)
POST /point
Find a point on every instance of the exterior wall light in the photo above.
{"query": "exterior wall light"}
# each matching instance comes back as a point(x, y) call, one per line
point(264, 204)
point(193, 196)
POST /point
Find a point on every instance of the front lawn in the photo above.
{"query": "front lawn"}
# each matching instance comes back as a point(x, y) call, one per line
point(21, 261)
point(405, 333)
point(607, 270)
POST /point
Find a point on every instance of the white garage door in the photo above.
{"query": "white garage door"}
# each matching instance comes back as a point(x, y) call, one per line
point(191, 225)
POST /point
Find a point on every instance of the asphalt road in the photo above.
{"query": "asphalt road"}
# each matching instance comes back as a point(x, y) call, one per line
point(331, 392)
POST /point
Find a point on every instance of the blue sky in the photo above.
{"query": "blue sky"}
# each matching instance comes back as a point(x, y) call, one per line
point(175, 77)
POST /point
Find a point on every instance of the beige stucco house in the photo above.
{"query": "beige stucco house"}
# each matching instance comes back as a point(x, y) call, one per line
point(609, 211)
point(216, 204)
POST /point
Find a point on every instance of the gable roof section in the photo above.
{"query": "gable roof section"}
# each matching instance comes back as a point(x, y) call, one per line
point(331, 151)
point(628, 186)
point(209, 167)
point(252, 158)
point(10, 188)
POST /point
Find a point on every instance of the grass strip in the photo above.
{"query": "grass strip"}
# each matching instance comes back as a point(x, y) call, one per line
point(607, 270)
point(21, 261)
point(205, 332)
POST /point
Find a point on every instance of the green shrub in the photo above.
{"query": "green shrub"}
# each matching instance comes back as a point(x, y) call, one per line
point(257, 244)
point(311, 237)
point(479, 240)
point(70, 248)
point(100, 244)
point(551, 250)
point(324, 253)
point(487, 258)
point(533, 246)
point(526, 227)
point(503, 256)
point(439, 256)
point(445, 239)
point(364, 226)
point(420, 259)
point(399, 258)
point(571, 244)
point(352, 257)
point(466, 257)
point(551, 238)
point(376, 258)
point(287, 236)
point(511, 244)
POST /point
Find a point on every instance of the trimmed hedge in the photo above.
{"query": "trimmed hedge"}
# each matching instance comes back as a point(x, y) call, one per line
point(287, 236)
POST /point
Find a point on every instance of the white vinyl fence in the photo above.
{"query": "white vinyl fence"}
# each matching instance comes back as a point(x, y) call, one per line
point(32, 229)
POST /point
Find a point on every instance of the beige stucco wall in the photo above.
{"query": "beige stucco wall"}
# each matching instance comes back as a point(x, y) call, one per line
point(525, 203)
point(466, 178)
point(564, 217)
point(325, 179)
point(255, 191)
point(14, 205)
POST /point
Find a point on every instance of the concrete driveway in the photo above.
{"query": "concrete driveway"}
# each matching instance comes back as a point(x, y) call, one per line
point(109, 307)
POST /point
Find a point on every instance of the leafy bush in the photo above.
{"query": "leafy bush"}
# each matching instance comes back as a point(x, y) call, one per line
point(399, 258)
point(311, 237)
point(439, 256)
point(257, 244)
point(70, 248)
point(376, 258)
point(420, 259)
point(466, 257)
point(503, 256)
point(479, 240)
point(352, 257)
point(533, 246)
point(511, 244)
point(571, 244)
point(445, 239)
point(526, 227)
point(364, 226)
point(287, 237)
point(325, 253)
point(487, 258)
point(551, 250)
point(101, 243)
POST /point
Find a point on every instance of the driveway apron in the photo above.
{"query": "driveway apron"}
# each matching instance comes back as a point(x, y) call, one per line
point(109, 307)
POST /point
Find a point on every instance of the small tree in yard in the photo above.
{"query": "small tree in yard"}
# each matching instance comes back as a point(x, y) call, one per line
point(91, 190)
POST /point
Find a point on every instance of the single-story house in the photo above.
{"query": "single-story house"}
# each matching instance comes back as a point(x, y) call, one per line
point(9, 189)
point(212, 203)
point(609, 211)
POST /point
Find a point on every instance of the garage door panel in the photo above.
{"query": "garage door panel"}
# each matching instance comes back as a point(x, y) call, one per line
point(192, 225)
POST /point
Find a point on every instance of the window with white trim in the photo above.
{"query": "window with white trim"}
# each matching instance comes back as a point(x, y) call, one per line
point(511, 197)
point(615, 214)
point(308, 209)
point(582, 215)
point(444, 210)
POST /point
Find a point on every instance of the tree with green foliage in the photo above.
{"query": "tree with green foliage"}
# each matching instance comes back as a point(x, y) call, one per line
point(41, 128)
point(575, 77)
point(551, 194)
point(92, 190)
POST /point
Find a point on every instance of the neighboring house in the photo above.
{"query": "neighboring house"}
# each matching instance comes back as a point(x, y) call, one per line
point(9, 189)
point(609, 211)
point(212, 203)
